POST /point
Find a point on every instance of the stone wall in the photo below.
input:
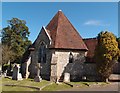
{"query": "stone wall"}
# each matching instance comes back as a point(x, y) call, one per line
point(33, 65)
point(62, 65)
point(54, 61)
point(116, 69)
point(90, 71)
point(45, 67)
point(25, 66)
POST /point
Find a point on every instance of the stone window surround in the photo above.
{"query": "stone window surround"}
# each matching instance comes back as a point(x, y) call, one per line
point(45, 45)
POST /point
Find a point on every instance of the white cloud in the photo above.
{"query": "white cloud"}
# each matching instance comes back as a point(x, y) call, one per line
point(96, 23)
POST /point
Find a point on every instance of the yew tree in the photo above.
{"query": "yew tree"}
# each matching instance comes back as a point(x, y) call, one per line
point(118, 40)
point(106, 54)
point(15, 36)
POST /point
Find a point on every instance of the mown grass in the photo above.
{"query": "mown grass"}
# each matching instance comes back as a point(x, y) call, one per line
point(63, 86)
point(15, 88)
point(25, 82)
point(55, 86)
point(82, 84)
point(51, 87)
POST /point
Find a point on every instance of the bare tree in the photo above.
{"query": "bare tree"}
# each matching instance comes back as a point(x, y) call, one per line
point(7, 54)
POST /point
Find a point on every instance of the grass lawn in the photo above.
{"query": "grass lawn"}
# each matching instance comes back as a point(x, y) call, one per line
point(25, 82)
point(63, 86)
point(88, 83)
point(55, 86)
point(23, 85)
point(10, 88)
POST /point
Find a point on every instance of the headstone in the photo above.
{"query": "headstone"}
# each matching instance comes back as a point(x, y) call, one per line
point(16, 75)
point(66, 77)
point(0, 71)
point(38, 77)
point(5, 73)
point(84, 78)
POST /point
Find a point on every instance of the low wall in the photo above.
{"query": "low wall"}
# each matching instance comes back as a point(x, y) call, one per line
point(116, 69)
point(78, 70)
point(90, 71)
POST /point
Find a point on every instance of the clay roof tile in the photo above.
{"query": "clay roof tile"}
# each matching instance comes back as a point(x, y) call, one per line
point(63, 34)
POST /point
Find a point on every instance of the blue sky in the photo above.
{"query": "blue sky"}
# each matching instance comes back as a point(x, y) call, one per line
point(88, 18)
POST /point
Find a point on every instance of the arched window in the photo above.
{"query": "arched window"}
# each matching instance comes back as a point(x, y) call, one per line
point(70, 58)
point(42, 53)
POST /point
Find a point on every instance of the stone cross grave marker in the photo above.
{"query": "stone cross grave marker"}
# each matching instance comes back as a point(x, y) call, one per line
point(38, 77)
point(16, 74)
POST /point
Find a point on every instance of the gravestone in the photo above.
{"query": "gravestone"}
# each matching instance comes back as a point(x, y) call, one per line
point(16, 75)
point(38, 77)
point(66, 77)
point(5, 73)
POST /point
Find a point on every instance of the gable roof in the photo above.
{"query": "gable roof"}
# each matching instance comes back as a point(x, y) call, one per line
point(63, 34)
point(91, 43)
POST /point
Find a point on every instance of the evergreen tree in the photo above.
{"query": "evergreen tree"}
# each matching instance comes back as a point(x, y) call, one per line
point(15, 35)
point(118, 40)
point(106, 54)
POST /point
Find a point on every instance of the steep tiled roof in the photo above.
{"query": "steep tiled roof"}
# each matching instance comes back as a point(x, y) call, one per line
point(91, 44)
point(63, 34)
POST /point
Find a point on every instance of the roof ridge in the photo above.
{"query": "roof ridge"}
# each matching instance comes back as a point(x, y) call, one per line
point(89, 38)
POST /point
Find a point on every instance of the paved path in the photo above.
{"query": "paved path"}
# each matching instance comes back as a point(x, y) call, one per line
point(110, 87)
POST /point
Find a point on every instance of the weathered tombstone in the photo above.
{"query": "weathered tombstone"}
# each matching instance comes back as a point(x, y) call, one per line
point(84, 78)
point(0, 71)
point(38, 77)
point(16, 75)
point(5, 73)
point(66, 77)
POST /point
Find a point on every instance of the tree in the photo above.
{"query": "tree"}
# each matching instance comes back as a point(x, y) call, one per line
point(106, 54)
point(0, 54)
point(118, 40)
point(7, 54)
point(15, 35)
